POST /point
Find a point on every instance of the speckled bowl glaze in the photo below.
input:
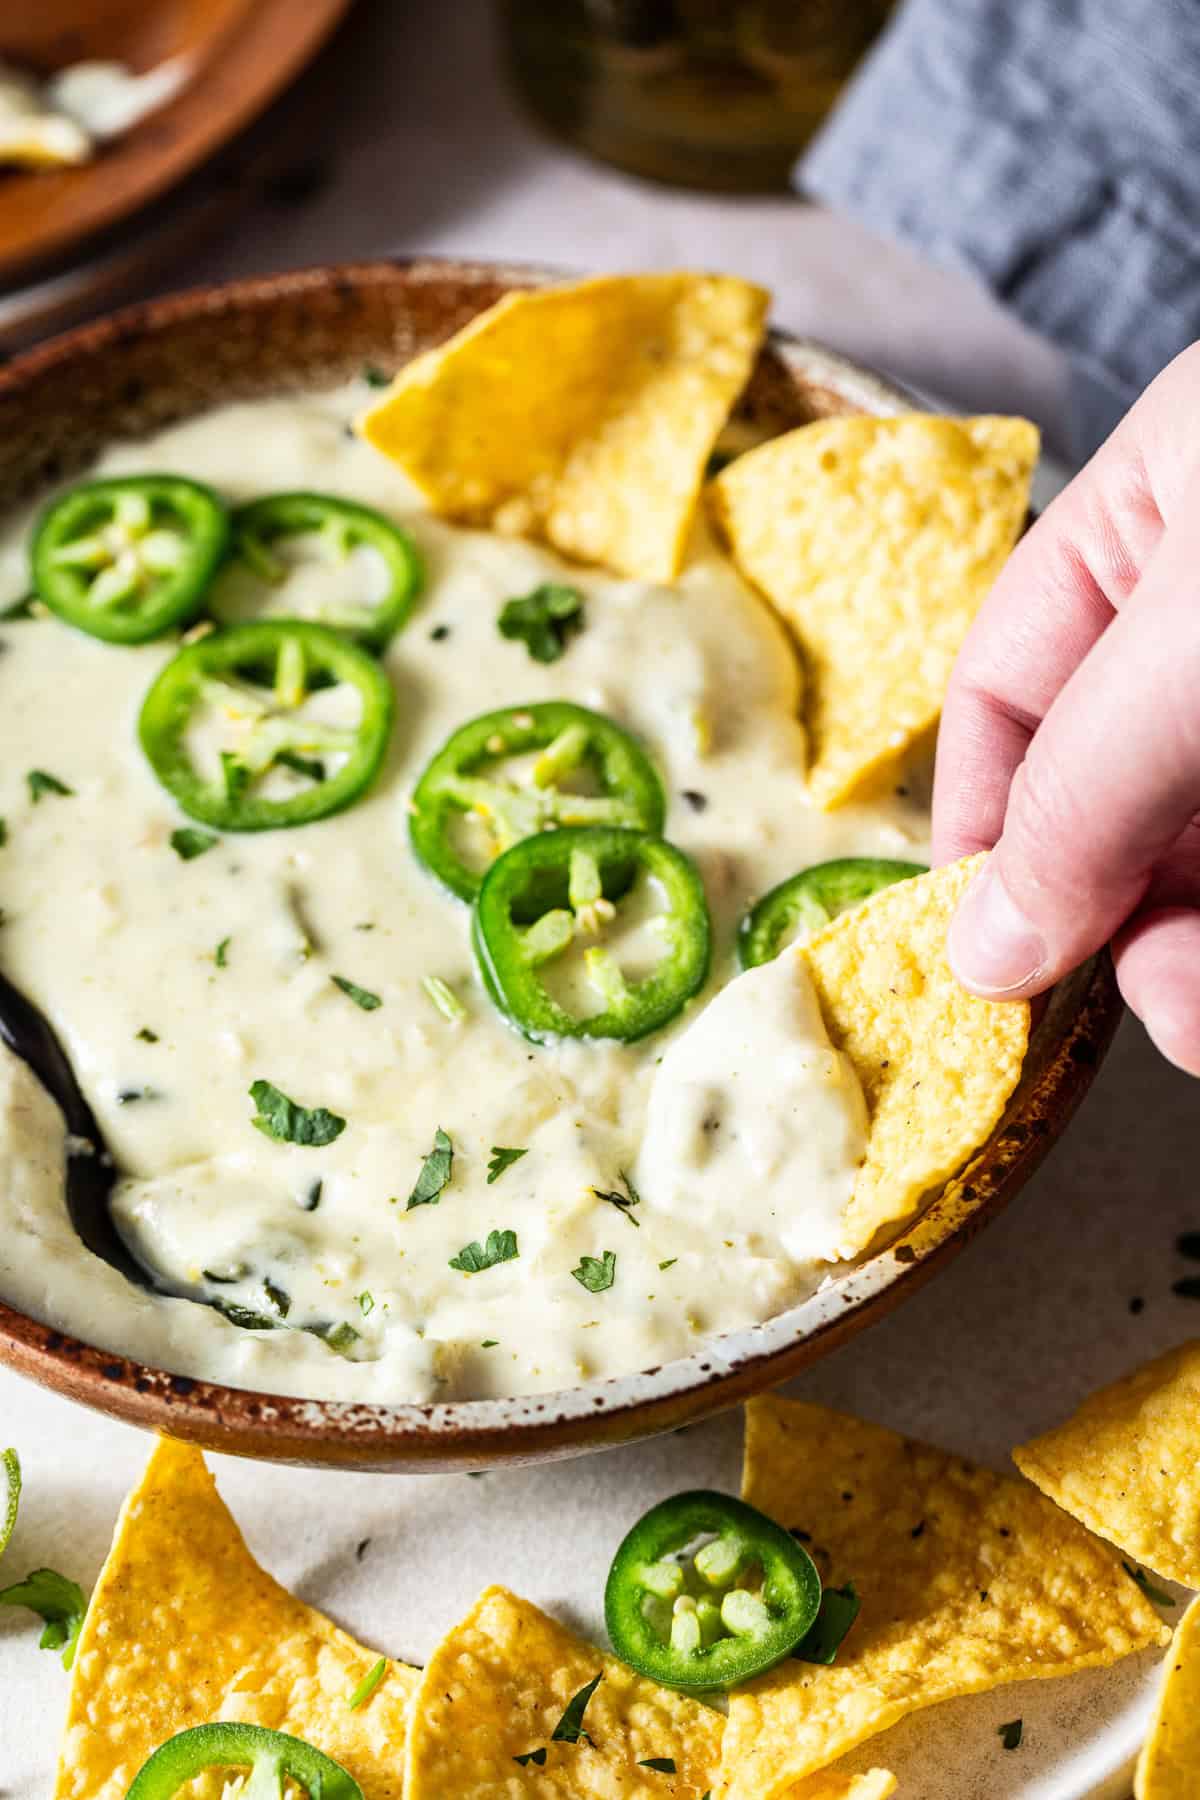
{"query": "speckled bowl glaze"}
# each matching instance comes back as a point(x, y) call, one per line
point(147, 366)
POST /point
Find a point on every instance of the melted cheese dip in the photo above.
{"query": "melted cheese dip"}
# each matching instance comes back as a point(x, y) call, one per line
point(739, 1126)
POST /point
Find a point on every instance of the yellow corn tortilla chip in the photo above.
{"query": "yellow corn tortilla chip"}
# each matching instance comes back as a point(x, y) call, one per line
point(184, 1628)
point(580, 415)
point(968, 1579)
point(1169, 1766)
point(497, 1686)
point(877, 540)
point(936, 1064)
point(828, 1784)
point(1128, 1464)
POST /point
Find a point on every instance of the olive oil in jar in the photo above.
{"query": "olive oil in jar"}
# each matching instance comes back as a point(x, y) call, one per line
point(704, 93)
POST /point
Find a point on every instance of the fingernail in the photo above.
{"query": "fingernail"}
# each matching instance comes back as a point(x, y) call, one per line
point(992, 946)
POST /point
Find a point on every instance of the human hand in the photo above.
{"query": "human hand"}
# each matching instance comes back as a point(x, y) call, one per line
point(1070, 738)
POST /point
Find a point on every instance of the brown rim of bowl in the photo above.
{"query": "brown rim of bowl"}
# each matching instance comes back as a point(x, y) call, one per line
point(133, 372)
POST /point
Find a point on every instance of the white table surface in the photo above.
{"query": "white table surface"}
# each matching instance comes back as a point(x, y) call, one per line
point(425, 154)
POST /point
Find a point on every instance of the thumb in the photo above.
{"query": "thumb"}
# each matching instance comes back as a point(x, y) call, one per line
point(1110, 780)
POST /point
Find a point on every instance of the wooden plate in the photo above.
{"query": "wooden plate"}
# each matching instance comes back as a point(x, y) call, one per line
point(244, 52)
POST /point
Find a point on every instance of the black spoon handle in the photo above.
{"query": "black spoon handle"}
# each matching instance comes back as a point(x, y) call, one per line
point(90, 1170)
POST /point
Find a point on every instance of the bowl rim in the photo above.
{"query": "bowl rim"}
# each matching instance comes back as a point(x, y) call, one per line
point(408, 1436)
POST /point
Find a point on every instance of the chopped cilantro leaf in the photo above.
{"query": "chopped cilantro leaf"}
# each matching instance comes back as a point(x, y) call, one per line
point(502, 1159)
point(489, 1343)
point(40, 784)
point(669, 1263)
point(1010, 1734)
point(340, 1338)
point(3, 834)
point(221, 953)
point(60, 1603)
point(569, 1729)
point(543, 620)
point(20, 609)
point(625, 1202)
point(146, 1036)
point(823, 1639)
point(362, 997)
point(536, 1757)
point(435, 1173)
point(375, 377)
point(367, 1685)
point(473, 1258)
point(280, 1118)
point(662, 1765)
point(189, 843)
point(596, 1273)
point(1158, 1595)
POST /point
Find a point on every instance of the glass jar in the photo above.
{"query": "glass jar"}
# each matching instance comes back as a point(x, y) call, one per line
point(704, 93)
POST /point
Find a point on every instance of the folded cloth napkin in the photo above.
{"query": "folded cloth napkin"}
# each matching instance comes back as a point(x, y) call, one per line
point(1051, 148)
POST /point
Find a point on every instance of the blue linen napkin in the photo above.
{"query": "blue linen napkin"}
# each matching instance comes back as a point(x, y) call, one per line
point(1052, 149)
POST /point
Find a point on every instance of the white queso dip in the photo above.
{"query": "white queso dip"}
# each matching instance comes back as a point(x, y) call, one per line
point(696, 1177)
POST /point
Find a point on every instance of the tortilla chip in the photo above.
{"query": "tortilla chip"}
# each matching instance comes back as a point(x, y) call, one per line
point(936, 1064)
point(828, 1784)
point(184, 1628)
point(581, 415)
point(968, 1579)
point(497, 1686)
point(1128, 1464)
point(1169, 1766)
point(877, 540)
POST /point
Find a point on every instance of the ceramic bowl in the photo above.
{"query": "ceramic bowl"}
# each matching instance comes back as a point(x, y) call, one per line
point(147, 366)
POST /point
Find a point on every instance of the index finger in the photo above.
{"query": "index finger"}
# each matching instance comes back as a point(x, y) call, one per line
point(1055, 597)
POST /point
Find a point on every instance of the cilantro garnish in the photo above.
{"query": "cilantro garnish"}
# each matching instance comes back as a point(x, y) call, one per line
point(473, 1258)
point(543, 620)
point(367, 1685)
point(146, 1036)
point(489, 1343)
point(596, 1273)
point(40, 783)
point(669, 1263)
point(536, 1757)
point(221, 953)
point(189, 843)
point(662, 1765)
point(280, 1118)
point(1010, 1734)
point(625, 1202)
point(824, 1637)
point(361, 996)
point(61, 1604)
point(340, 1338)
point(569, 1729)
point(3, 833)
point(10, 1462)
point(435, 1173)
point(375, 377)
point(1158, 1595)
point(20, 609)
point(502, 1159)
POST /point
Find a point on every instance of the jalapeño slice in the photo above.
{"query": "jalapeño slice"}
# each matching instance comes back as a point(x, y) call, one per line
point(340, 528)
point(558, 888)
point(811, 899)
point(271, 1757)
point(706, 1592)
point(265, 701)
point(586, 771)
point(127, 558)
